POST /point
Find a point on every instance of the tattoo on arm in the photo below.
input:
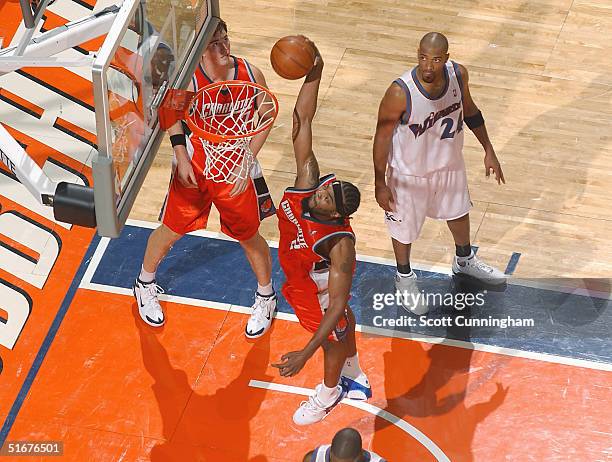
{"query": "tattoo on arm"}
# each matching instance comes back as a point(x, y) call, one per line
point(297, 124)
point(312, 170)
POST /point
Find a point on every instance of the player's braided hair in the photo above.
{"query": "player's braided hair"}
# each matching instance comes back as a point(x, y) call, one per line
point(351, 198)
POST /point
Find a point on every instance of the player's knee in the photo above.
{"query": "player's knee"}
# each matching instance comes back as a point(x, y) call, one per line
point(254, 242)
point(166, 236)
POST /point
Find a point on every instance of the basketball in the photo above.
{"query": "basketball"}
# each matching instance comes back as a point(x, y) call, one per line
point(292, 57)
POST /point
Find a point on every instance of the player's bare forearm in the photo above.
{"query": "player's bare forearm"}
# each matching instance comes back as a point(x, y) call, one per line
point(176, 129)
point(264, 104)
point(382, 143)
point(306, 104)
point(328, 323)
point(258, 141)
point(483, 138)
point(307, 174)
point(180, 151)
point(343, 259)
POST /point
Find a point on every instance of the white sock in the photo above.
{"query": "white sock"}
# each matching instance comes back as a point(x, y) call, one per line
point(351, 367)
point(265, 291)
point(145, 276)
point(402, 275)
point(464, 259)
point(327, 395)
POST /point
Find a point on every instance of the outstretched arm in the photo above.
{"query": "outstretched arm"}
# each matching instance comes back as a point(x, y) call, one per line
point(391, 109)
point(471, 111)
point(342, 256)
point(307, 175)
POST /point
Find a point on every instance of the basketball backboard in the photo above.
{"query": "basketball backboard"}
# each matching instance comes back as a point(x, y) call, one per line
point(152, 46)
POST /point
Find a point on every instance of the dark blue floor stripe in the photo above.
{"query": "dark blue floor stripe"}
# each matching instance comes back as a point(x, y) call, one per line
point(42, 352)
point(514, 259)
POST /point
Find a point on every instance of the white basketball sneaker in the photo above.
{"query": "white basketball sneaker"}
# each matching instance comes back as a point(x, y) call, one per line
point(261, 316)
point(477, 269)
point(412, 300)
point(313, 410)
point(148, 305)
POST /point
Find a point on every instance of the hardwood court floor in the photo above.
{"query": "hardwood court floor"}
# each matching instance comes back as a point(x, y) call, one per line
point(541, 73)
point(85, 370)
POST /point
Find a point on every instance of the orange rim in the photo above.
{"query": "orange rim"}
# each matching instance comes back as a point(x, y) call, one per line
point(217, 137)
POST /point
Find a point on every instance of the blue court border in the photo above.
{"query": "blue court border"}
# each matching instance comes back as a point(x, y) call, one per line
point(46, 344)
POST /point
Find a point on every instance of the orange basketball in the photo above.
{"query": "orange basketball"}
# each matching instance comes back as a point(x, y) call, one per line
point(292, 57)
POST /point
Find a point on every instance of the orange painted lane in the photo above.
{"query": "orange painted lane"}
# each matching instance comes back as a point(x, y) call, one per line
point(96, 374)
point(45, 302)
point(186, 386)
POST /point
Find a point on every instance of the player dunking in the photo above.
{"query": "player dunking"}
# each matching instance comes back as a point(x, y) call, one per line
point(418, 161)
point(191, 195)
point(317, 254)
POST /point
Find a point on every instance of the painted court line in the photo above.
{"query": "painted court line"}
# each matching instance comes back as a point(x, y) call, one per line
point(369, 330)
point(367, 407)
point(102, 245)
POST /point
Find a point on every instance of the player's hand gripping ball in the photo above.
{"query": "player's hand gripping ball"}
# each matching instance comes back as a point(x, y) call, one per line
point(292, 57)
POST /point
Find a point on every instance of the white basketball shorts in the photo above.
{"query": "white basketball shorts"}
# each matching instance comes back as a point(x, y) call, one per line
point(443, 195)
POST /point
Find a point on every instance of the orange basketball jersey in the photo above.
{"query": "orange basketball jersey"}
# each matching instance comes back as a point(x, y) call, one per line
point(306, 270)
point(220, 104)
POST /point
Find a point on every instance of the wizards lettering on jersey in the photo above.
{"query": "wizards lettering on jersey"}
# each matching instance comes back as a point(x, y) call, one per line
point(299, 242)
point(418, 130)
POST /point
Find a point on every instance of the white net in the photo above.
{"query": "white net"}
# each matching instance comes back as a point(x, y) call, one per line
point(226, 116)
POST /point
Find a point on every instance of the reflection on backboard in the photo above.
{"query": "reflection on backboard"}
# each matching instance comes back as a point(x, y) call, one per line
point(153, 45)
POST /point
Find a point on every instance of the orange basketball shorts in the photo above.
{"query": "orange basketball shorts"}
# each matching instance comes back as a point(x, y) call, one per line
point(187, 209)
point(310, 306)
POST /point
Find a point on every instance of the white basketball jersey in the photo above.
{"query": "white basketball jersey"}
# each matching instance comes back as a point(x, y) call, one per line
point(323, 453)
point(429, 137)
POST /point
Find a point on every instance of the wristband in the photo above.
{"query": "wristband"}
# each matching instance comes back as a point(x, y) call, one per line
point(178, 140)
point(474, 121)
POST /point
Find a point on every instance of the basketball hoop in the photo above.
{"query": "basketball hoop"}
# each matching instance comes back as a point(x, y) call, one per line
point(224, 116)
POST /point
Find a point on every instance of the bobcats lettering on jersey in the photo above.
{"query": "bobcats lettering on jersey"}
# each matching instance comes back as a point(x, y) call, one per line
point(219, 109)
point(299, 242)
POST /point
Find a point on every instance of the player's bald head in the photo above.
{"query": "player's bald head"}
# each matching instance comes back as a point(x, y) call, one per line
point(434, 41)
point(346, 444)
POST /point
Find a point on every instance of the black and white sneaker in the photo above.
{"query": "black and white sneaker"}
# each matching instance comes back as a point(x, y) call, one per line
point(148, 305)
point(261, 316)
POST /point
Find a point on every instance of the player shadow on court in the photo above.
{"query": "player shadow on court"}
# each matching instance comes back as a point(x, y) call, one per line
point(436, 403)
point(569, 197)
point(206, 424)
